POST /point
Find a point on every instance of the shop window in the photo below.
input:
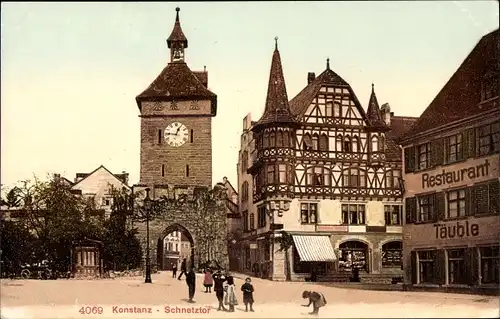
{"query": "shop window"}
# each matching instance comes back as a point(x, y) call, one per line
point(489, 139)
point(490, 264)
point(424, 155)
point(308, 213)
point(392, 253)
point(427, 266)
point(353, 254)
point(453, 148)
point(393, 215)
point(456, 203)
point(426, 208)
point(456, 266)
point(353, 214)
point(300, 267)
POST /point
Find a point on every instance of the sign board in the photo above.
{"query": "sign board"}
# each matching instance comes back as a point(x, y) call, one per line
point(253, 246)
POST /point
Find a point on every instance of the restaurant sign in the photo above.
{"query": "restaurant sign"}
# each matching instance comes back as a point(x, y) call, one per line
point(456, 175)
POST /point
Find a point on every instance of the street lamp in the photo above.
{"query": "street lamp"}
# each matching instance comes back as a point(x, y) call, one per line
point(148, 203)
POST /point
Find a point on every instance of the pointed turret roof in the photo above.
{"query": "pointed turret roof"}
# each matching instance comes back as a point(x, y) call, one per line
point(277, 108)
point(373, 112)
point(177, 35)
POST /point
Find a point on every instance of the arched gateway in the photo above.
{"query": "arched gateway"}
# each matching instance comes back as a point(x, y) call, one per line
point(202, 222)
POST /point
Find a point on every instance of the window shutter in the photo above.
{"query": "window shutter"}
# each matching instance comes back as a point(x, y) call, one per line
point(440, 270)
point(471, 205)
point(411, 210)
point(437, 152)
point(409, 159)
point(463, 152)
point(413, 267)
point(439, 206)
point(446, 149)
point(470, 143)
point(481, 198)
point(494, 196)
point(468, 201)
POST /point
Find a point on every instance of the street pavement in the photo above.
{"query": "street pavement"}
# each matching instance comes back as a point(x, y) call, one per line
point(166, 297)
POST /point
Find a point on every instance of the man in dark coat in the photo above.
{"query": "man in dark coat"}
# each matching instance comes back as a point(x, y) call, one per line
point(219, 289)
point(191, 282)
point(183, 269)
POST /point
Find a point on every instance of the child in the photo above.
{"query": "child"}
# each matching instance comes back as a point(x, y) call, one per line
point(219, 280)
point(208, 282)
point(230, 297)
point(315, 298)
point(247, 289)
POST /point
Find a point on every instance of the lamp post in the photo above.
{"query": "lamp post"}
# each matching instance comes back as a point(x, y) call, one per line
point(148, 203)
point(275, 207)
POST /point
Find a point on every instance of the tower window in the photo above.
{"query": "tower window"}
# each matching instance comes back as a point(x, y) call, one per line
point(159, 136)
point(192, 135)
point(187, 170)
point(163, 170)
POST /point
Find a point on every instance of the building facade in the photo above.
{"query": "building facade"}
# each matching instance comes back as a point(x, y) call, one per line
point(176, 112)
point(451, 165)
point(328, 173)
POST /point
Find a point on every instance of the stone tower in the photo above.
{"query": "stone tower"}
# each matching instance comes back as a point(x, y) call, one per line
point(176, 122)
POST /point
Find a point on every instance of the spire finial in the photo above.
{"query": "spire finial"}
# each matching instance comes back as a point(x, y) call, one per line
point(328, 63)
point(177, 16)
point(373, 87)
point(276, 43)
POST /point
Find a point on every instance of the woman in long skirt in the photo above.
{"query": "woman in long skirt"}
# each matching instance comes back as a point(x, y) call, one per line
point(230, 297)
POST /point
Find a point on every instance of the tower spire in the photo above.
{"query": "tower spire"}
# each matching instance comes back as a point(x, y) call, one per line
point(177, 41)
point(277, 108)
point(328, 63)
point(373, 111)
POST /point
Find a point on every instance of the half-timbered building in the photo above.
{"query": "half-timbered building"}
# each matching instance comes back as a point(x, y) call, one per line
point(327, 173)
point(452, 177)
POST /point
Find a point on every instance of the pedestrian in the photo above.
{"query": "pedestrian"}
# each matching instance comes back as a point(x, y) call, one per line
point(191, 282)
point(183, 268)
point(316, 299)
point(174, 270)
point(208, 281)
point(230, 297)
point(247, 289)
point(219, 280)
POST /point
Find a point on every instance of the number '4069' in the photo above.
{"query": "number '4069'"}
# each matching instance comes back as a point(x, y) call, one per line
point(91, 310)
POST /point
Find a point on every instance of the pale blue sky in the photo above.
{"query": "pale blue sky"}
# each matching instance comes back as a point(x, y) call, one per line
point(71, 71)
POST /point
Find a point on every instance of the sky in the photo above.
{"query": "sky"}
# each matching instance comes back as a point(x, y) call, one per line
point(70, 71)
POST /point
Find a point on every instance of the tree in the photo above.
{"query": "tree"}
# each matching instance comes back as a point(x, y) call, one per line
point(17, 245)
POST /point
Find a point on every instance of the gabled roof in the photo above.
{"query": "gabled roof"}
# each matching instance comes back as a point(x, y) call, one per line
point(176, 82)
point(277, 108)
point(119, 177)
point(398, 127)
point(373, 112)
point(177, 35)
point(461, 95)
point(300, 103)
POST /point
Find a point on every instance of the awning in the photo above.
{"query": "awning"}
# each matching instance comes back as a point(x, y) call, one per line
point(314, 248)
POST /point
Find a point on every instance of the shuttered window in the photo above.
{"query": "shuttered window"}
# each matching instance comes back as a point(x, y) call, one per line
point(409, 153)
point(485, 198)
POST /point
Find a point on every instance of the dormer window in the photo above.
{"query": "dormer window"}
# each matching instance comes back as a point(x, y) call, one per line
point(489, 86)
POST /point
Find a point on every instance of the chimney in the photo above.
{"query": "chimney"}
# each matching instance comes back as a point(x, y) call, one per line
point(386, 113)
point(310, 77)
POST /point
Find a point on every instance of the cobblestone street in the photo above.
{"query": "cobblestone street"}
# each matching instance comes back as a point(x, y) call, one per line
point(113, 298)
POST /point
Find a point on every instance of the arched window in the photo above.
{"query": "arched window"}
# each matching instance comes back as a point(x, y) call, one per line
point(318, 176)
point(323, 142)
point(392, 253)
point(381, 144)
point(350, 178)
point(375, 147)
point(272, 139)
point(279, 140)
point(339, 143)
point(307, 142)
point(347, 145)
point(355, 144)
point(315, 142)
point(286, 139)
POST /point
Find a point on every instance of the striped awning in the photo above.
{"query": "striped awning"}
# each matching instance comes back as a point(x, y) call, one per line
point(314, 248)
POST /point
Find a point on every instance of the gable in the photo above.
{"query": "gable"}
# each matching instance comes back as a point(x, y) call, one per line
point(98, 183)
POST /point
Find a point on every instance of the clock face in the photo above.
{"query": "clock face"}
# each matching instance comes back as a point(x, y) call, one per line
point(176, 134)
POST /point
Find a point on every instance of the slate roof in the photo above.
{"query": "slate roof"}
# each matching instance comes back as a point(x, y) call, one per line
point(461, 95)
point(277, 108)
point(398, 128)
point(373, 112)
point(177, 35)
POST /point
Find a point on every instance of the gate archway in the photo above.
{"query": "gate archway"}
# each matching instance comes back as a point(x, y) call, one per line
point(173, 245)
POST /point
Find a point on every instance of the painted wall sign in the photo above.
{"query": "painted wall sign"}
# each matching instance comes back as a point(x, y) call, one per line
point(446, 177)
point(458, 229)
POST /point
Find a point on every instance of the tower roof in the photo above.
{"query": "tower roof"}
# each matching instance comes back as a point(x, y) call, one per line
point(277, 109)
point(373, 112)
point(177, 35)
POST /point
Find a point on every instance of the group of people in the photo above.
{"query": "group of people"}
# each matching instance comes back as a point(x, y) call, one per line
point(225, 291)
